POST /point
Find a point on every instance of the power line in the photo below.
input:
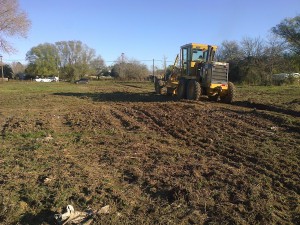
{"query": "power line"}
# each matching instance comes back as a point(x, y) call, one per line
point(105, 61)
point(15, 60)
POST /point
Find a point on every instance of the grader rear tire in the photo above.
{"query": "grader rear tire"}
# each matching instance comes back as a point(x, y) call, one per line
point(193, 90)
point(170, 91)
point(181, 89)
point(230, 94)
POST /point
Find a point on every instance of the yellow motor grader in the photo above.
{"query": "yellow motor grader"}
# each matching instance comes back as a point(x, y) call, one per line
point(197, 74)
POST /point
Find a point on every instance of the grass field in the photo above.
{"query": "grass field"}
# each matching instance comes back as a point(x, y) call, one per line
point(153, 159)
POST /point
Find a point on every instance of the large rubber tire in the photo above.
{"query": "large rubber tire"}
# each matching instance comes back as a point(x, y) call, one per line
point(229, 98)
point(170, 91)
point(158, 87)
point(181, 89)
point(193, 91)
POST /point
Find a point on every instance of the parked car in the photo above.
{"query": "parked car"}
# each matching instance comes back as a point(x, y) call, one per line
point(48, 79)
point(54, 79)
point(43, 80)
point(82, 81)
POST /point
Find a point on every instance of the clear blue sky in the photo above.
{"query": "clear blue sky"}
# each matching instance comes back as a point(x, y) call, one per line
point(146, 30)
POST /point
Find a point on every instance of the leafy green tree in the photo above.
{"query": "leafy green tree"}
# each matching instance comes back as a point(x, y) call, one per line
point(76, 59)
point(70, 59)
point(7, 71)
point(68, 72)
point(97, 67)
point(43, 60)
point(289, 30)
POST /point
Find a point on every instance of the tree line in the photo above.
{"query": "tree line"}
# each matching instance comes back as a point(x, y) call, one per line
point(252, 60)
point(69, 60)
point(72, 60)
point(255, 60)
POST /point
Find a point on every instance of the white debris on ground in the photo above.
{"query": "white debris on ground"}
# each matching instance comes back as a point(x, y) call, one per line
point(45, 139)
point(77, 217)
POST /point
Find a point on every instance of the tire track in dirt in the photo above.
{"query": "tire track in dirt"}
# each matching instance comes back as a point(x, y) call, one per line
point(253, 164)
point(209, 131)
point(160, 120)
point(232, 121)
point(155, 123)
point(125, 121)
point(131, 117)
point(252, 160)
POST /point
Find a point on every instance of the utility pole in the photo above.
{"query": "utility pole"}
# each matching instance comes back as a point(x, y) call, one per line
point(153, 71)
point(2, 68)
point(122, 66)
point(122, 57)
point(165, 64)
point(57, 67)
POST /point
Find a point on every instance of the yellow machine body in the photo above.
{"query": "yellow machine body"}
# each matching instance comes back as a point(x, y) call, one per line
point(196, 65)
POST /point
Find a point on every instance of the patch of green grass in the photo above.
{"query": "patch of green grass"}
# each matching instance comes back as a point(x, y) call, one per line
point(282, 96)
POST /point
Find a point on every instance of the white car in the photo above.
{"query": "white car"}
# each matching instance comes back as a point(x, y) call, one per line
point(43, 80)
point(49, 79)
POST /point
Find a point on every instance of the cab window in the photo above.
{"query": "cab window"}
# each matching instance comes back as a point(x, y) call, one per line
point(197, 55)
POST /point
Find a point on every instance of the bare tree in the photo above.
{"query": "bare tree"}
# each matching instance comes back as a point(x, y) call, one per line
point(274, 54)
point(97, 66)
point(130, 70)
point(17, 68)
point(13, 22)
point(165, 63)
point(253, 65)
point(230, 51)
point(252, 47)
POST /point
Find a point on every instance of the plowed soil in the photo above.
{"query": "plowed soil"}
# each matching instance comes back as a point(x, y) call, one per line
point(153, 159)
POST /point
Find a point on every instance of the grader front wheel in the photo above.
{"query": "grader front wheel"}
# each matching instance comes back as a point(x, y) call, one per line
point(193, 90)
point(181, 89)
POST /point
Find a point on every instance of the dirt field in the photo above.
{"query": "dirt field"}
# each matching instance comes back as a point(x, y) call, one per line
point(153, 159)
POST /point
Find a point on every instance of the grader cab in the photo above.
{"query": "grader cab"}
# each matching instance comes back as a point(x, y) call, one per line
point(197, 74)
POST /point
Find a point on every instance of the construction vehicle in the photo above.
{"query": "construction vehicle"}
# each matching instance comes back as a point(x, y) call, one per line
point(197, 74)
